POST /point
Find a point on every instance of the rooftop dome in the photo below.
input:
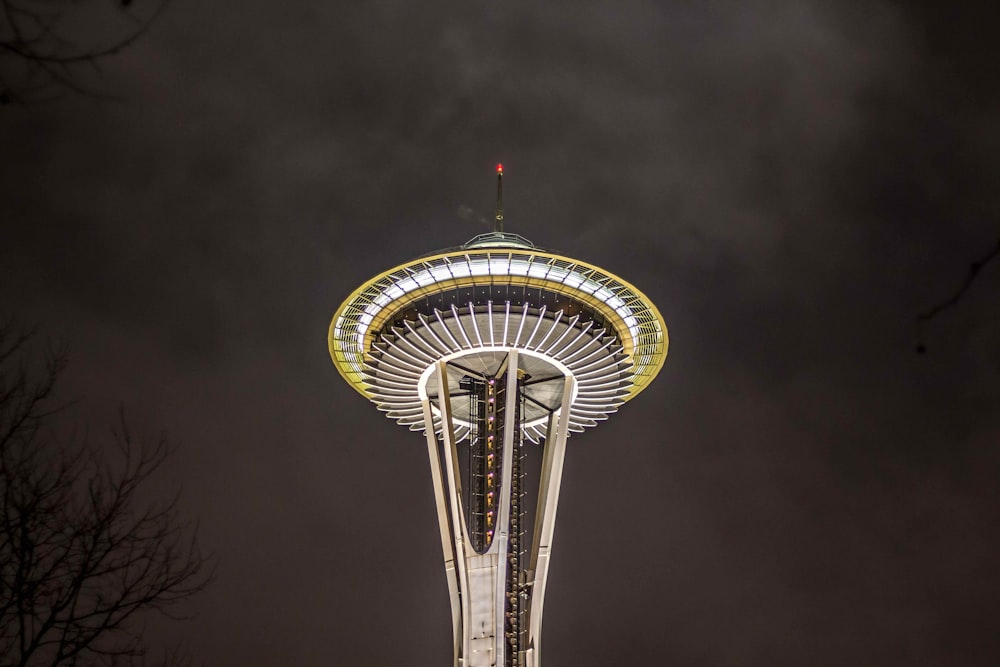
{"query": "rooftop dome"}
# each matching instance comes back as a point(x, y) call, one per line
point(500, 240)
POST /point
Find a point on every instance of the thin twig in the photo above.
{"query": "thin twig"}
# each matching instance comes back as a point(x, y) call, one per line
point(974, 270)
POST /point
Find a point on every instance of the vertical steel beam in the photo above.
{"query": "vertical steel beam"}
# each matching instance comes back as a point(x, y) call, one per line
point(459, 530)
point(545, 517)
point(441, 501)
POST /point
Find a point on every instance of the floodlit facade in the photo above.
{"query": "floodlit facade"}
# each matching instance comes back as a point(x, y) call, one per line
point(497, 350)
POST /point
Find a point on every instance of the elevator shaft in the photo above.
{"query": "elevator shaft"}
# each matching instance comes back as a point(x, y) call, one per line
point(489, 422)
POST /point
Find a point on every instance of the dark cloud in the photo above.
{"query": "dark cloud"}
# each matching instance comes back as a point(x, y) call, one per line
point(791, 183)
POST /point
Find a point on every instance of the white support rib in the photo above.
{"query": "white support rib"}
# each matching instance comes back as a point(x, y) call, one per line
point(580, 332)
point(429, 356)
point(475, 323)
point(545, 516)
point(552, 327)
point(455, 498)
point(446, 526)
point(458, 322)
point(439, 348)
point(520, 326)
point(489, 319)
point(506, 321)
point(541, 316)
point(418, 365)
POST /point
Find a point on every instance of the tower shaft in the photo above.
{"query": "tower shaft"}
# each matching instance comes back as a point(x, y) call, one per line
point(496, 602)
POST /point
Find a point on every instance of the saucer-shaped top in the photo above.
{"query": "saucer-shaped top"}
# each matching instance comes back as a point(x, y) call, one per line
point(485, 262)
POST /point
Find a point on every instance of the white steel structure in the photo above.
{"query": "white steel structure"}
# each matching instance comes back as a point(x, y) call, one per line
point(494, 349)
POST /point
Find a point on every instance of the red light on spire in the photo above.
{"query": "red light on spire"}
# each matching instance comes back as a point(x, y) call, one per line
point(498, 224)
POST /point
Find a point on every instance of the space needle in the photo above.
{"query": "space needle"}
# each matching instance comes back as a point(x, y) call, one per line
point(497, 350)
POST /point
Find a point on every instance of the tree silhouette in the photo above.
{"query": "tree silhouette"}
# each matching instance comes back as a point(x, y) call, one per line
point(51, 46)
point(82, 554)
point(935, 310)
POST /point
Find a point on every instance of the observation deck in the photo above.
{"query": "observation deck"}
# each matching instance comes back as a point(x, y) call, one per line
point(498, 291)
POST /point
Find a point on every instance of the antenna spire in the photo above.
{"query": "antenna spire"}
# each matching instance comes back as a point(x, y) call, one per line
point(498, 224)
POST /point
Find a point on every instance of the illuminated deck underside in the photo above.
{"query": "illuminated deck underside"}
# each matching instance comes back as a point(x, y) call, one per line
point(628, 315)
point(551, 344)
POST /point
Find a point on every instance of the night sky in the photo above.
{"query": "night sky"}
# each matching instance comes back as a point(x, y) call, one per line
point(791, 183)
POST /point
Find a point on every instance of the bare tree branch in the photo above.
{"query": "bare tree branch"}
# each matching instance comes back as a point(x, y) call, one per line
point(974, 271)
point(82, 554)
point(42, 50)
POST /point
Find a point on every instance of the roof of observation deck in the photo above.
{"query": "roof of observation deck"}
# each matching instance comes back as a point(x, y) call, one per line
point(504, 240)
point(494, 258)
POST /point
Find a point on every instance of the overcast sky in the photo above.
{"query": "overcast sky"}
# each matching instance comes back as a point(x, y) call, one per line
point(791, 183)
